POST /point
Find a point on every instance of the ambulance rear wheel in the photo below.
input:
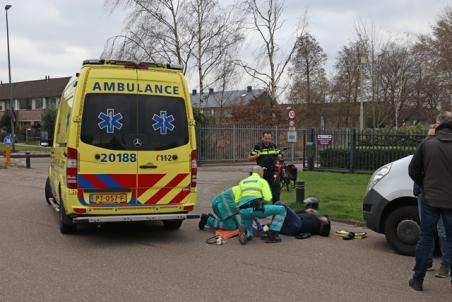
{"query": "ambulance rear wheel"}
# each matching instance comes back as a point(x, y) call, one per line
point(48, 191)
point(67, 226)
point(172, 224)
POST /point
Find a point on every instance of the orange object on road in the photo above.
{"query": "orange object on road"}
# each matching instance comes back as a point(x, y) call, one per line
point(225, 234)
point(8, 154)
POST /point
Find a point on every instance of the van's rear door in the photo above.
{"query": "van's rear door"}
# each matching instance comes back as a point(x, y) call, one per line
point(164, 157)
point(107, 173)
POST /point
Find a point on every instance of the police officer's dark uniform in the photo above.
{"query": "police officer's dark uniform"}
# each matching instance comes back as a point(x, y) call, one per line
point(268, 157)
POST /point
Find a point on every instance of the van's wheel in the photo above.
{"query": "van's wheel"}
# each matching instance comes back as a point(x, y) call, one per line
point(402, 230)
point(172, 224)
point(48, 191)
point(67, 226)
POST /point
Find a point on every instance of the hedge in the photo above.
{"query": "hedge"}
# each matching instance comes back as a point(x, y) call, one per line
point(366, 159)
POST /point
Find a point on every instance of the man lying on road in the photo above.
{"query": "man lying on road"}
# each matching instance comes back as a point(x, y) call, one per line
point(305, 223)
point(253, 199)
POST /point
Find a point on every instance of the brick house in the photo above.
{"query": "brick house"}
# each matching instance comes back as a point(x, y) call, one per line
point(30, 98)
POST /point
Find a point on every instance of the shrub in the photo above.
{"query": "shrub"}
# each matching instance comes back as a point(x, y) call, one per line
point(364, 158)
point(391, 137)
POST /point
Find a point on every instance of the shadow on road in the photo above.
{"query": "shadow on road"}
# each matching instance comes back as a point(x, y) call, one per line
point(132, 232)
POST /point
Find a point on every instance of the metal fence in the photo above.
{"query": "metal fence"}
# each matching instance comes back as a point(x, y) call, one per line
point(352, 150)
point(234, 143)
point(347, 150)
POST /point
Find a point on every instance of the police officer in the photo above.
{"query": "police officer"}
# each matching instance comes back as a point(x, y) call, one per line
point(254, 195)
point(266, 155)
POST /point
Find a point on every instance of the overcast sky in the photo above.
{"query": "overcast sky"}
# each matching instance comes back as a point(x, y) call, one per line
point(53, 37)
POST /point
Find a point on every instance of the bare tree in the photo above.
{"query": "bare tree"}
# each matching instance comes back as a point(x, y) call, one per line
point(441, 42)
point(217, 32)
point(194, 33)
point(370, 42)
point(226, 78)
point(429, 94)
point(308, 71)
point(347, 81)
point(397, 81)
point(266, 21)
point(156, 30)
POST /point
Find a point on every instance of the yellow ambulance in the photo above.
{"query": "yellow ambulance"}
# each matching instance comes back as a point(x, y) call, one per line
point(124, 146)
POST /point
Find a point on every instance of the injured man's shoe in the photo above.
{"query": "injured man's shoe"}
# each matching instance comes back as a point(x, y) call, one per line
point(273, 237)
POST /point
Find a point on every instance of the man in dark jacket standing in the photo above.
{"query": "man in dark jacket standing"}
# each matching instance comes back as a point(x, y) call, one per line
point(431, 169)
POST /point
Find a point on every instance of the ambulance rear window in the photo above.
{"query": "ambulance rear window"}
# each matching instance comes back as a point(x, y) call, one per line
point(109, 120)
point(115, 121)
point(162, 122)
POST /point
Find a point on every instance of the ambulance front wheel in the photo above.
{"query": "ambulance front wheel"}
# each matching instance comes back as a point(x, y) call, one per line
point(67, 226)
point(172, 224)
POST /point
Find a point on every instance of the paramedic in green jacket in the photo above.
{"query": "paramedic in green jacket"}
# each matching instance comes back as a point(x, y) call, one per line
point(255, 201)
point(226, 213)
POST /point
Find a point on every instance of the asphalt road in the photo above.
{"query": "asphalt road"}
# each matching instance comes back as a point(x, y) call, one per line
point(144, 262)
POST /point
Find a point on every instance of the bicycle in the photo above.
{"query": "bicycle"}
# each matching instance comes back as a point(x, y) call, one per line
point(283, 174)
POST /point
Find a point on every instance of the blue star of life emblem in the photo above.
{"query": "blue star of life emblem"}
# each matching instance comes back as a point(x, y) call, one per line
point(110, 120)
point(163, 122)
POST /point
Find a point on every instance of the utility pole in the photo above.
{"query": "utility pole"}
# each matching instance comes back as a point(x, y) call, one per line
point(11, 104)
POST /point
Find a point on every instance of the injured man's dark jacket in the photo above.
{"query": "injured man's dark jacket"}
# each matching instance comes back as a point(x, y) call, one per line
point(305, 222)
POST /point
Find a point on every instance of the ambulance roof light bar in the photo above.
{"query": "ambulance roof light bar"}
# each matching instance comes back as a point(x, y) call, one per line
point(162, 65)
point(175, 66)
point(94, 62)
point(122, 62)
point(113, 62)
point(134, 64)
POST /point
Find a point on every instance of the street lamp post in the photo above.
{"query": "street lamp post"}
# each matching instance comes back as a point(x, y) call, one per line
point(11, 104)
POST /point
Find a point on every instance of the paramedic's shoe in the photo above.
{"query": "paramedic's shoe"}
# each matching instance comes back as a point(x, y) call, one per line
point(203, 221)
point(273, 237)
point(415, 284)
point(264, 235)
point(443, 272)
point(242, 235)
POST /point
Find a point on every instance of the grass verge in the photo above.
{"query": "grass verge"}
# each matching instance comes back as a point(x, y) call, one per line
point(26, 148)
point(340, 195)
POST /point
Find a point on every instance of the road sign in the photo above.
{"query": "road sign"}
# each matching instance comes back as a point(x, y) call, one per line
point(292, 114)
point(324, 139)
point(8, 140)
point(291, 123)
point(292, 136)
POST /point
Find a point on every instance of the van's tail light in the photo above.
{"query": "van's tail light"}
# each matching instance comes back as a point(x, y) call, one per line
point(194, 169)
point(71, 168)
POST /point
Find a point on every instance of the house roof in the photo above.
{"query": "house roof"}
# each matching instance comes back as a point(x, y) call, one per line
point(226, 98)
point(34, 89)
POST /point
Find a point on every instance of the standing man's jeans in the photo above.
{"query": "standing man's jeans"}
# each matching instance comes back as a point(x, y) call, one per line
point(443, 244)
point(429, 222)
point(445, 258)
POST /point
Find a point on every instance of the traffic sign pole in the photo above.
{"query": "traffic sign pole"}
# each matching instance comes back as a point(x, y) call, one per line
point(292, 134)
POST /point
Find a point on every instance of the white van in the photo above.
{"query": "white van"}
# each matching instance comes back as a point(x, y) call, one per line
point(390, 206)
